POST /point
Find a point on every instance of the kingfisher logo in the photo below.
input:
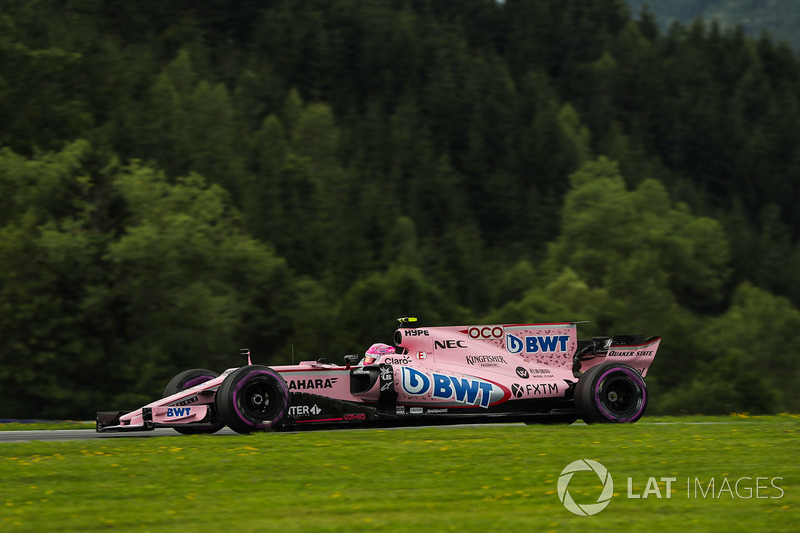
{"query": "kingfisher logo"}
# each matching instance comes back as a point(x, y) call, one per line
point(536, 343)
point(586, 509)
point(470, 391)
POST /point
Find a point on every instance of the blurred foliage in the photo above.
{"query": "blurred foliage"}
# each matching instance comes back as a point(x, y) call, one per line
point(181, 179)
point(779, 18)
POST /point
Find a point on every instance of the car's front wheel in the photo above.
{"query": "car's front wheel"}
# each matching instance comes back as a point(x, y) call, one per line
point(611, 393)
point(186, 380)
point(253, 398)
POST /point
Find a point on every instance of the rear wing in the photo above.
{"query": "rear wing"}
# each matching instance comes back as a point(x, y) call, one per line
point(632, 350)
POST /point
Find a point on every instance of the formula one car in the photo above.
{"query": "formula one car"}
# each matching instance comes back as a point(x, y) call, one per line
point(451, 374)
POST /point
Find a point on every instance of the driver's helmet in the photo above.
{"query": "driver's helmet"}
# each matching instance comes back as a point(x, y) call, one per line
point(376, 351)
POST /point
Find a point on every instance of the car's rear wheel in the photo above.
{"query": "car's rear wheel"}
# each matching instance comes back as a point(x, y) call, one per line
point(253, 398)
point(186, 380)
point(611, 393)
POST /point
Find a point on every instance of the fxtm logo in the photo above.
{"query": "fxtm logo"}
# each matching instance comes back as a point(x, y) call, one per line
point(534, 389)
point(587, 509)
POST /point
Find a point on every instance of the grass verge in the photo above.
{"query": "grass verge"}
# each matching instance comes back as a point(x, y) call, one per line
point(46, 425)
point(483, 478)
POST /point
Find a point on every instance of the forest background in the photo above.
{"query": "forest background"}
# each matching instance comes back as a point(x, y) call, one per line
point(181, 179)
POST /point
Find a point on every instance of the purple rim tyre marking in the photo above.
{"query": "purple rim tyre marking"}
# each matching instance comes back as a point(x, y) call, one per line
point(284, 391)
point(636, 378)
point(196, 381)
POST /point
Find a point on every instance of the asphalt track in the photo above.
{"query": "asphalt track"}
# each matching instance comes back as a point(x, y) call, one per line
point(86, 434)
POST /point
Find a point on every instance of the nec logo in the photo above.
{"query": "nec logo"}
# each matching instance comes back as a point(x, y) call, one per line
point(450, 344)
point(177, 411)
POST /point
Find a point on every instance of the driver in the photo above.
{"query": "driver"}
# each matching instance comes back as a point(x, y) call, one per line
point(375, 352)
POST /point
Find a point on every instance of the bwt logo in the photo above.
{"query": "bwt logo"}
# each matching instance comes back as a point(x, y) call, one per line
point(442, 387)
point(537, 343)
point(587, 509)
point(173, 412)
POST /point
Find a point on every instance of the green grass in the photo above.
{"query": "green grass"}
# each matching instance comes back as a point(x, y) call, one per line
point(498, 478)
point(38, 425)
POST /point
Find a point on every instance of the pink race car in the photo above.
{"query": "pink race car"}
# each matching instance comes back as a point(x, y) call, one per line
point(449, 374)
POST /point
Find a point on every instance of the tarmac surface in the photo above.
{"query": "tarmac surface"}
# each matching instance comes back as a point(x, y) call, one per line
point(86, 434)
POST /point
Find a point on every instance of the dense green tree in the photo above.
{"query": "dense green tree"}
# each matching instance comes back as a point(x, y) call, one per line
point(276, 173)
point(566, 298)
point(44, 117)
point(262, 204)
point(367, 312)
point(89, 313)
point(605, 225)
point(214, 138)
point(778, 18)
point(656, 261)
point(48, 362)
point(51, 357)
point(745, 366)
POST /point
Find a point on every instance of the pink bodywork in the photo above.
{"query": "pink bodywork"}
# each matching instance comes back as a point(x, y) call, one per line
point(453, 367)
